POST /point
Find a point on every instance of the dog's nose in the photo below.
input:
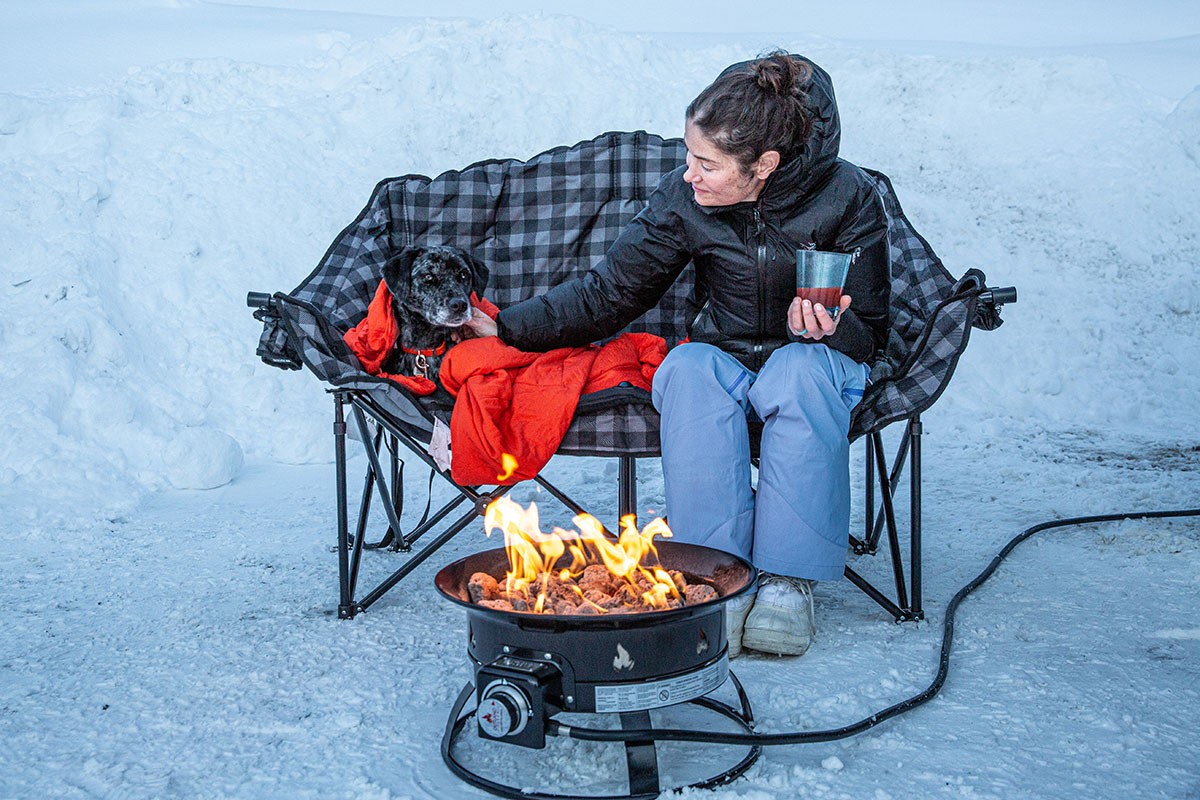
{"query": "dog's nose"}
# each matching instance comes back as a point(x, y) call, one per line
point(459, 306)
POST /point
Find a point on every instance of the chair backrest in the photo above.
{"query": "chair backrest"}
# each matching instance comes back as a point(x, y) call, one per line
point(542, 221)
point(535, 223)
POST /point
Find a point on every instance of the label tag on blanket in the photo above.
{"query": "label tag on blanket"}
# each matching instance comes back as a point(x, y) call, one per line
point(439, 445)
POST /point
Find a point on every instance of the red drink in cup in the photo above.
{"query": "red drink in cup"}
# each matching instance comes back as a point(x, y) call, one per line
point(820, 277)
point(828, 296)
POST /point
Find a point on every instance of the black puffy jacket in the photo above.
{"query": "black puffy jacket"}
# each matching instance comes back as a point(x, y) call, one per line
point(744, 256)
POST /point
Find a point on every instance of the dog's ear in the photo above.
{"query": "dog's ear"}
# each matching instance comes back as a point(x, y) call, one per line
point(397, 271)
point(479, 274)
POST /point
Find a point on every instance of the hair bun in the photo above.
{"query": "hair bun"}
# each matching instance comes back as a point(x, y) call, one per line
point(780, 74)
point(769, 76)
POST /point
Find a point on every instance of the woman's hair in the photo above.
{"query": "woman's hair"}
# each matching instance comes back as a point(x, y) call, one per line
point(755, 108)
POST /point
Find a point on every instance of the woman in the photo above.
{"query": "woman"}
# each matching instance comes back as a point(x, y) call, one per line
point(762, 180)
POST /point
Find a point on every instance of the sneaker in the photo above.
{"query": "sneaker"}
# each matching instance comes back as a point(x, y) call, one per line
point(736, 611)
point(781, 621)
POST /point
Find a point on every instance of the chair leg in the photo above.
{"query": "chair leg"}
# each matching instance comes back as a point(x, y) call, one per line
point(345, 604)
point(914, 474)
point(869, 512)
point(875, 523)
point(876, 595)
point(397, 474)
point(893, 534)
point(364, 512)
point(893, 482)
point(627, 489)
point(385, 494)
point(364, 503)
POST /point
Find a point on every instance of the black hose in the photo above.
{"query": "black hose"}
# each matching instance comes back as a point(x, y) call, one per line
point(803, 737)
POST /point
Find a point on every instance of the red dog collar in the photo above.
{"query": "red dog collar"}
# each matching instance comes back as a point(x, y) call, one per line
point(437, 351)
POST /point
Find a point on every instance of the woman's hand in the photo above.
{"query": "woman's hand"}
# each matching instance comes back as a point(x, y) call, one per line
point(479, 326)
point(813, 322)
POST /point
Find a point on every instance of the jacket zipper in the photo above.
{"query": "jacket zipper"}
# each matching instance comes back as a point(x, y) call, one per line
point(699, 314)
point(761, 264)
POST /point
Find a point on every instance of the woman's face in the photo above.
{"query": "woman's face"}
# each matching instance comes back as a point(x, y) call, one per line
point(715, 176)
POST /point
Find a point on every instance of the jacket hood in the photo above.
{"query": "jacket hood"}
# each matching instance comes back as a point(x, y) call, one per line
point(797, 177)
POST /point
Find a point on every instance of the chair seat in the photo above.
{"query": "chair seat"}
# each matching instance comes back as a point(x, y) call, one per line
point(620, 421)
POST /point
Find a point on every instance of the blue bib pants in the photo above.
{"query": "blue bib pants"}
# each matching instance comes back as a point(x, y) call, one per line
point(797, 521)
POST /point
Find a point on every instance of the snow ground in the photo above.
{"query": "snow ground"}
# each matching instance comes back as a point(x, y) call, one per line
point(189, 650)
point(171, 642)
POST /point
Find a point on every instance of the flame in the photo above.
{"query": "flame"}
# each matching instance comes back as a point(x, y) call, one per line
point(533, 556)
point(509, 465)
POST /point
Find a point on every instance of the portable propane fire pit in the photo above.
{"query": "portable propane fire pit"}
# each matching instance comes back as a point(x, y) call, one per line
point(587, 656)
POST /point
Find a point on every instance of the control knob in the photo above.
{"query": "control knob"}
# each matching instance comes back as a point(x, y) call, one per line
point(503, 710)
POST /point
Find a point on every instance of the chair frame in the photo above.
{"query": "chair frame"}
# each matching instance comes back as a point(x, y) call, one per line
point(389, 487)
point(907, 605)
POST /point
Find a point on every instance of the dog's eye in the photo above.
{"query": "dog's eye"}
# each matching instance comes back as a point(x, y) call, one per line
point(462, 276)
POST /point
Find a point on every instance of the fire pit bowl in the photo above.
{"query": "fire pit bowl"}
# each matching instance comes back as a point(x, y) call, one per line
point(530, 667)
point(607, 662)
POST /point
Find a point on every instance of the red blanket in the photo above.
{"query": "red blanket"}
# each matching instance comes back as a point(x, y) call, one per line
point(510, 401)
point(507, 400)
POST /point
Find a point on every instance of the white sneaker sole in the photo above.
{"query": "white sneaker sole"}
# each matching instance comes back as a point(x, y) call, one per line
point(776, 642)
point(783, 631)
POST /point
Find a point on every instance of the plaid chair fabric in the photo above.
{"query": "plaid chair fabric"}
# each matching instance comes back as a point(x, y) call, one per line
point(543, 221)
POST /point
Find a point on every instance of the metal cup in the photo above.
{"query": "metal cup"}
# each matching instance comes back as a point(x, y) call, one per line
point(820, 276)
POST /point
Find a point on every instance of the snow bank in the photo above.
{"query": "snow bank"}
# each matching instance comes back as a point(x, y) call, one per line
point(139, 212)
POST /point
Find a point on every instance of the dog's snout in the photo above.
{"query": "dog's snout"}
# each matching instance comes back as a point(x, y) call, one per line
point(459, 306)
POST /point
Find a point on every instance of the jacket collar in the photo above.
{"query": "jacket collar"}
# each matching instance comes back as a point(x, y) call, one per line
point(795, 179)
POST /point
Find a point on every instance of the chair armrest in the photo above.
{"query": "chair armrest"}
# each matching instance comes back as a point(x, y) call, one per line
point(273, 348)
point(998, 296)
point(987, 311)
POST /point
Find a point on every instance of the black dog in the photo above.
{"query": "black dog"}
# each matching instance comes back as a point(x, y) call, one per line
point(431, 296)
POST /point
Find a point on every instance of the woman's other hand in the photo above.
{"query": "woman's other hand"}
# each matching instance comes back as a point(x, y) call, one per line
point(479, 326)
point(810, 321)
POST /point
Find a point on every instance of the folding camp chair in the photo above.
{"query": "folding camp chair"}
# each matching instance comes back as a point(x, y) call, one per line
point(543, 221)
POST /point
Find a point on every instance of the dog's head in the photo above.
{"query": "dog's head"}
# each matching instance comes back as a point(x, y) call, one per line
point(435, 283)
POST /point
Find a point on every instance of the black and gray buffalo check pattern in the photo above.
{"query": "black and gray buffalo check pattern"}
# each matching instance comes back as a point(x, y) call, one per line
point(539, 222)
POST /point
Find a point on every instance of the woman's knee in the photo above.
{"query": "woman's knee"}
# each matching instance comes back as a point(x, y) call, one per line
point(698, 369)
point(801, 381)
point(794, 367)
point(797, 357)
point(690, 356)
